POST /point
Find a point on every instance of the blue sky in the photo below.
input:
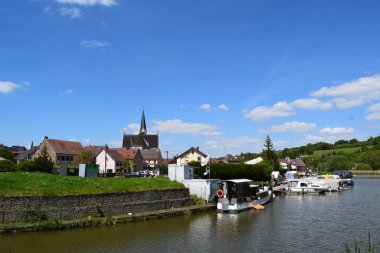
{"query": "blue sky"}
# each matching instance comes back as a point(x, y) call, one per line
point(220, 75)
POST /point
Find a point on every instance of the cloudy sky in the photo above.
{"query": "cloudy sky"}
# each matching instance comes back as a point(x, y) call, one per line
point(216, 74)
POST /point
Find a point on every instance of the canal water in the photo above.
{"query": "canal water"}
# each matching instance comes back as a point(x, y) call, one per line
point(313, 223)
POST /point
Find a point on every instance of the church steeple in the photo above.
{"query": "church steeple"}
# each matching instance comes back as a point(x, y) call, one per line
point(143, 124)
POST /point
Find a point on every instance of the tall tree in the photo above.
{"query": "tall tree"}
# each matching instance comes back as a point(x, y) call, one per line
point(269, 154)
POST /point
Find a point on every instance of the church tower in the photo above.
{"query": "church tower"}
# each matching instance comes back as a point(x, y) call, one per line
point(143, 124)
point(142, 140)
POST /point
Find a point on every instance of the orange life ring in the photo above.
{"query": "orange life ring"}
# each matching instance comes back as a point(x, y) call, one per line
point(219, 193)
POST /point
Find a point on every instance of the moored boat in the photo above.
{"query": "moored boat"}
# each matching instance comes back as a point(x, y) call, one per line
point(238, 195)
point(301, 186)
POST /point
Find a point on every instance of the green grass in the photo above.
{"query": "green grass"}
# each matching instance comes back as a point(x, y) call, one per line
point(42, 184)
point(338, 150)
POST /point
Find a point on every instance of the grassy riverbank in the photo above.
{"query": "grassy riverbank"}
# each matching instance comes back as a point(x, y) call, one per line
point(42, 184)
point(366, 172)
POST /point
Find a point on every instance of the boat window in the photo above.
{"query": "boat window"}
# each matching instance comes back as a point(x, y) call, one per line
point(303, 184)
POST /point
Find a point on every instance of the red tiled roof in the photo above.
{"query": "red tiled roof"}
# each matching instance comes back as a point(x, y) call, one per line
point(95, 150)
point(126, 153)
point(65, 147)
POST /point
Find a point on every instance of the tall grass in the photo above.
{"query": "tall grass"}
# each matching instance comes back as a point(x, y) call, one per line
point(43, 184)
point(369, 247)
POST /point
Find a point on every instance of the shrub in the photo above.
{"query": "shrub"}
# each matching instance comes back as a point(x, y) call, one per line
point(7, 165)
point(224, 171)
point(26, 166)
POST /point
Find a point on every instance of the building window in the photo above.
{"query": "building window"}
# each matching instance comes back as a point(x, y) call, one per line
point(199, 158)
point(65, 158)
point(118, 164)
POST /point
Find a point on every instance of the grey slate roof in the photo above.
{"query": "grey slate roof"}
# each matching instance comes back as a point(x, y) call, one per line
point(27, 154)
point(151, 154)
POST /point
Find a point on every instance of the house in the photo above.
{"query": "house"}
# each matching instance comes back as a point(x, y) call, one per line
point(190, 155)
point(27, 154)
point(142, 140)
point(152, 158)
point(113, 160)
point(16, 150)
point(294, 164)
point(95, 151)
point(255, 161)
point(61, 151)
point(230, 159)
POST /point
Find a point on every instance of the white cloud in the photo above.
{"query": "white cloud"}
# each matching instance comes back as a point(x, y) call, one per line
point(48, 10)
point(70, 12)
point(134, 127)
point(354, 93)
point(206, 107)
point(177, 126)
point(223, 107)
point(238, 142)
point(8, 87)
point(374, 112)
point(88, 2)
point(95, 43)
point(261, 113)
point(311, 103)
point(298, 127)
point(374, 108)
point(336, 130)
point(313, 138)
point(343, 103)
point(114, 144)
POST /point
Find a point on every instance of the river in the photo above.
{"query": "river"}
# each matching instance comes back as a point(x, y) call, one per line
point(312, 223)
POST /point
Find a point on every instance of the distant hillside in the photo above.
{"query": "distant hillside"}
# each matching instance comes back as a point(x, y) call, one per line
point(342, 155)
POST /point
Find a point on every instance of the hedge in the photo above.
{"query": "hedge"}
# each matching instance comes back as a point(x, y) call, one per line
point(224, 171)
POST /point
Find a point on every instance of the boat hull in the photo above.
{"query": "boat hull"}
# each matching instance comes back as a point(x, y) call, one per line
point(224, 206)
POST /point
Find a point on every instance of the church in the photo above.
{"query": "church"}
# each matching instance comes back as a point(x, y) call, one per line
point(142, 140)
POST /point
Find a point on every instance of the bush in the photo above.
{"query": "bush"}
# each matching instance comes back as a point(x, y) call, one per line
point(7, 165)
point(26, 166)
point(363, 166)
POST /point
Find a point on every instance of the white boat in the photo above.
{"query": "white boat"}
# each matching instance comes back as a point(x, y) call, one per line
point(238, 195)
point(331, 182)
point(301, 186)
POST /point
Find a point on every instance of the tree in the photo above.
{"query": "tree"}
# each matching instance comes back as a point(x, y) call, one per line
point(7, 154)
point(371, 157)
point(43, 162)
point(338, 162)
point(85, 157)
point(269, 154)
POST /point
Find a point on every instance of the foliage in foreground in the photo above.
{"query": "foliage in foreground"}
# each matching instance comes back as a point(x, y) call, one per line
point(369, 248)
point(44, 184)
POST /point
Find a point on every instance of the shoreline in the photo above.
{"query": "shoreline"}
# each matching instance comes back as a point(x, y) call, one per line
point(93, 221)
point(365, 172)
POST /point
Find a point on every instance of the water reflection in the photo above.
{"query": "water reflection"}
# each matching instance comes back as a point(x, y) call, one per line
point(288, 224)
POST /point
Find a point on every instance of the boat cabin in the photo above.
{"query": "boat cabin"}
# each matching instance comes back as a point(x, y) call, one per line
point(237, 190)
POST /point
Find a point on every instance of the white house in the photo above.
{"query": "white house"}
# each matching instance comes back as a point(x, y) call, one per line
point(190, 155)
point(111, 160)
point(255, 161)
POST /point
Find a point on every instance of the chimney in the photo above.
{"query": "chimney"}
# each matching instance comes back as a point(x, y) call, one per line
point(197, 148)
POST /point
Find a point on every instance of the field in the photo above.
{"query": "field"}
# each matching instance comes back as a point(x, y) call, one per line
point(42, 184)
point(338, 150)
